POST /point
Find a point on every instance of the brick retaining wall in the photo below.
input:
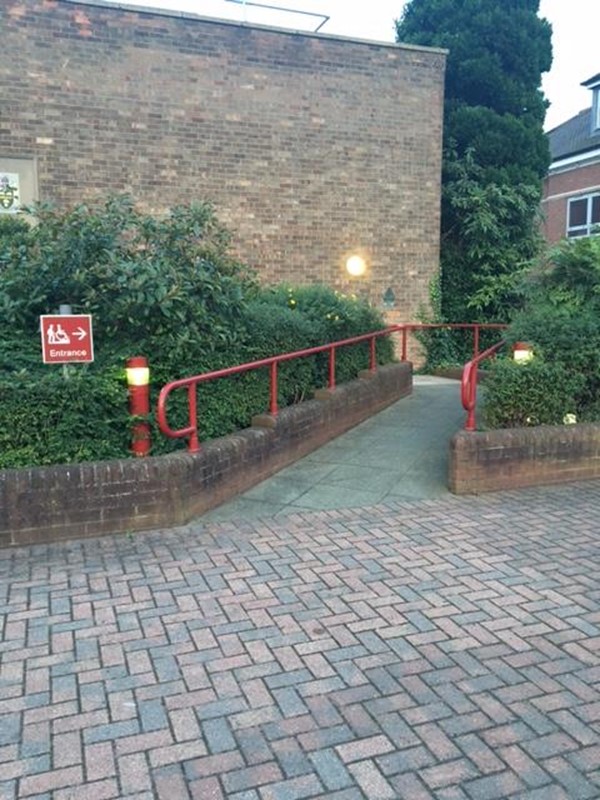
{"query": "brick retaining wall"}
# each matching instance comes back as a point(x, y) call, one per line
point(486, 461)
point(71, 501)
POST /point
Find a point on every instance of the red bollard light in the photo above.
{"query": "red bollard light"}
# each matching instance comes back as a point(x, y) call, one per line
point(522, 352)
point(138, 382)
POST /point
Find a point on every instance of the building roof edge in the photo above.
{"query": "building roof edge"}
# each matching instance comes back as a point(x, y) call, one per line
point(165, 12)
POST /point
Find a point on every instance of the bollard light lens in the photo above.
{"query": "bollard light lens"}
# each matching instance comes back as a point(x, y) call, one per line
point(137, 371)
point(522, 353)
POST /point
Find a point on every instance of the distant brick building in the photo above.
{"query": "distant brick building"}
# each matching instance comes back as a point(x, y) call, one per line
point(571, 200)
point(311, 147)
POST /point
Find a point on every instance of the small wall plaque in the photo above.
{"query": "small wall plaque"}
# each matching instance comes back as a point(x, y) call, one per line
point(10, 195)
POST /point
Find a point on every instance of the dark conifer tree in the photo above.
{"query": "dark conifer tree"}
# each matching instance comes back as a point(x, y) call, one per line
point(495, 150)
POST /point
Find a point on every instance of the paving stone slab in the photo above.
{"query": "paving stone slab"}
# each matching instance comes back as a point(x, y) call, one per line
point(443, 648)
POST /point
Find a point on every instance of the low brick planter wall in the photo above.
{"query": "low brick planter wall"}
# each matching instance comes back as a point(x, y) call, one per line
point(486, 461)
point(44, 504)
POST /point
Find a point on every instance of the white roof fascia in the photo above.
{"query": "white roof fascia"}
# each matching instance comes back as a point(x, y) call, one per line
point(571, 160)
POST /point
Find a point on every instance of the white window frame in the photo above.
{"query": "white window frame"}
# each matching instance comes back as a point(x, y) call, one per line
point(596, 110)
point(589, 228)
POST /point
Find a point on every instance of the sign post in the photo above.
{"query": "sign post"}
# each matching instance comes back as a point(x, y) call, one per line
point(67, 338)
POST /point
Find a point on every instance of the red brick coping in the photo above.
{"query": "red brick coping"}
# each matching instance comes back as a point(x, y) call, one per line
point(486, 461)
point(42, 504)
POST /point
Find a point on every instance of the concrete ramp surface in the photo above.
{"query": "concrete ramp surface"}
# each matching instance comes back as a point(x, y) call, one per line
point(399, 454)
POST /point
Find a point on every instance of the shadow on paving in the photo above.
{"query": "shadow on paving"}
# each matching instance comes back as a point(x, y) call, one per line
point(399, 454)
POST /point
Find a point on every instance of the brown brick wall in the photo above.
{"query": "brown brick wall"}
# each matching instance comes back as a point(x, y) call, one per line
point(558, 188)
point(486, 461)
point(310, 146)
point(64, 502)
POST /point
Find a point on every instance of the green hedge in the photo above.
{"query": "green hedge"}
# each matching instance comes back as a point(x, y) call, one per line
point(535, 393)
point(570, 337)
point(560, 319)
point(334, 316)
point(165, 289)
point(47, 419)
point(228, 404)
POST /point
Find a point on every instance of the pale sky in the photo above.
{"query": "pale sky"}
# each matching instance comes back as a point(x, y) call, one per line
point(576, 25)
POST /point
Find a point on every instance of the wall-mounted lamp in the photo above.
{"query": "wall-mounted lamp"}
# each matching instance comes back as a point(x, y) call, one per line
point(389, 299)
point(138, 382)
point(356, 266)
point(522, 352)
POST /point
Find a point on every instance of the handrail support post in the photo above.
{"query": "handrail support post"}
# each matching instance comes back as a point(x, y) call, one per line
point(331, 381)
point(193, 443)
point(372, 355)
point(273, 400)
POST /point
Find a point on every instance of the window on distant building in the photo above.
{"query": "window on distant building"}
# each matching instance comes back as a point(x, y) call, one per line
point(584, 216)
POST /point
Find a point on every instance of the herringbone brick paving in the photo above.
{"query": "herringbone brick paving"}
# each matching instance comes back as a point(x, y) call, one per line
point(444, 649)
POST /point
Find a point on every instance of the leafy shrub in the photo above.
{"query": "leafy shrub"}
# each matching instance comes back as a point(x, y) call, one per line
point(561, 320)
point(567, 278)
point(535, 393)
point(335, 316)
point(165, 288)
point(276, 321)
point(159, 283)
point(228, 404)
point(448, 347)
point(45, 419)
point(567, 337)
point(273, 329)
point(14, 233)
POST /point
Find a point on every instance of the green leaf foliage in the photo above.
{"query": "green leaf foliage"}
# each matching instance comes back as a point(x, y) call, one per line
point(334, 316)
point(536, 393)
point(143, 278)
point(495, 150)
point(567, 277)
point(166, 288)
point(497, 50)
point(560, 319)
point(492, 233)
point(47, 419)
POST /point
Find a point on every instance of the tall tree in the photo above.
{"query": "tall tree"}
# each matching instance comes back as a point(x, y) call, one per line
point(495, 150)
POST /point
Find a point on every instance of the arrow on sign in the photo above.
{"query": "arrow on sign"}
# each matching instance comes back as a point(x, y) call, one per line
point(80, 334)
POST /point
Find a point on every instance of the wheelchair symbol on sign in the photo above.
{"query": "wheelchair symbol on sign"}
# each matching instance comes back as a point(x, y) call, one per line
point(57, 335)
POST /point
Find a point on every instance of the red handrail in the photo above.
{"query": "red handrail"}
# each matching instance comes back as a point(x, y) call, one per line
point(475, 326)
point(272, 362)
point(468, 384)
point(191, 430)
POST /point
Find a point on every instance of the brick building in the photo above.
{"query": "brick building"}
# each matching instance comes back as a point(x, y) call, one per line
point(312, 147)
point(571, 199)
